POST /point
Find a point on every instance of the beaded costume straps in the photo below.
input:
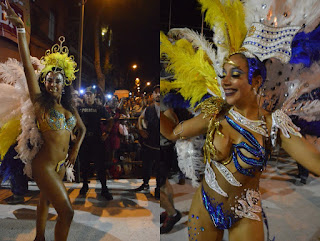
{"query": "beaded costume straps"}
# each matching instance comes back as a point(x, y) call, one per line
point(254, 148)
point(211, 107)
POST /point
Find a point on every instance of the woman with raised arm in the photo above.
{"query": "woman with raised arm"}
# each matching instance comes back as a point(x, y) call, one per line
point(58, 121)
point(239, 133)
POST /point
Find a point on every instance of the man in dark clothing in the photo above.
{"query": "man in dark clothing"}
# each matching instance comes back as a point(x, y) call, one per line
point(92, 148)
point(150, 148)
point(12, 169)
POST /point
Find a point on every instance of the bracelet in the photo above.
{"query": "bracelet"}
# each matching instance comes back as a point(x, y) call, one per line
point(21, 30)
point(176, 134)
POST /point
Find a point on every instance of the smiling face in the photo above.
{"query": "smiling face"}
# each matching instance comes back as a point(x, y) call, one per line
point(54, 83)
point(235, 81)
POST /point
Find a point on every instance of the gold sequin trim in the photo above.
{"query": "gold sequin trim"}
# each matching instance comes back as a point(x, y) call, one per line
point(211, 107)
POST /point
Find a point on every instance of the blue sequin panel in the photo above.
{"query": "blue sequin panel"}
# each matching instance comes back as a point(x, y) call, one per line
point(221, 220)
point(255, 149)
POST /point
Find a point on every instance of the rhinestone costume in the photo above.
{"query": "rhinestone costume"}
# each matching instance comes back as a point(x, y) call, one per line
point(266, 42)
point(227, 174)
point(258, 126)
point(211, 180)
point(246, 207)
point(54, 120)
point(255, 149)
point(283, 122)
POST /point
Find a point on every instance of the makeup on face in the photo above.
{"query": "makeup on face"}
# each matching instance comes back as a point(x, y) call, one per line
point(235, 73)
point(235, 80)
point(54, 82)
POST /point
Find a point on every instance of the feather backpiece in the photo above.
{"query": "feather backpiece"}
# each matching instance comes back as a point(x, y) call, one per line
point(190, 158)
point(14, 93)
point(281, 13)
point(8, 135)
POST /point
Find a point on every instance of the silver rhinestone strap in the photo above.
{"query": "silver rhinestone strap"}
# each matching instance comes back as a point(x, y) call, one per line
point(227, 174)
point(258, 126)
point(282, 121)
point(211, 180)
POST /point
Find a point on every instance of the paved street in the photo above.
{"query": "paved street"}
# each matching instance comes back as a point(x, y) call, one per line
point(293, 211)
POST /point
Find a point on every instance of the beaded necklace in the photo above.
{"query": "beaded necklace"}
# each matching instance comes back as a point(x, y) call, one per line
point(258, 126)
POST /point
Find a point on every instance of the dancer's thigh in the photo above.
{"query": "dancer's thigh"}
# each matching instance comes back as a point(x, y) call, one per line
point(247, 229)
point(52, 187)
point(200, 226)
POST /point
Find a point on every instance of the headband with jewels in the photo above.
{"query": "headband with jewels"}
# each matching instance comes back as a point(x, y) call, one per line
point(58, 60)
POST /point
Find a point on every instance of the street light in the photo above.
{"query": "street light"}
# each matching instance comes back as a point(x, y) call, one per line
point(148, 83)
point(137, 81)
point(131, 68)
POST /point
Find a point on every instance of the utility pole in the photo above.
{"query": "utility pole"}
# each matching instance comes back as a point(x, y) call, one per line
point(80, 41)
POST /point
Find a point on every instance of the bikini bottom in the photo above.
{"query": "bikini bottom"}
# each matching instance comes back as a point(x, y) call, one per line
point(60, 164)
point(247, 206)
point(220, 218)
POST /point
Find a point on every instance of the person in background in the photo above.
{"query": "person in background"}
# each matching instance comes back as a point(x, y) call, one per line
point(12, 169)
point(167, 155)
point(150, 147)
point(92, 148)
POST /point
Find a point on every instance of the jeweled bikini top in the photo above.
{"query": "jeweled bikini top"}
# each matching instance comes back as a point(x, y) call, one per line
point(55, 120)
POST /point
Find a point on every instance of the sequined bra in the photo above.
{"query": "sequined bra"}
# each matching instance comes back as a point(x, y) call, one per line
point(255, 149)
point(55, 120)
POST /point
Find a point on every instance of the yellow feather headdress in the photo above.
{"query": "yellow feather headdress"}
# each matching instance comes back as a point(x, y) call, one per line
point(194, 64)
point(227, 19)
point(192, 70)
point(58, 57)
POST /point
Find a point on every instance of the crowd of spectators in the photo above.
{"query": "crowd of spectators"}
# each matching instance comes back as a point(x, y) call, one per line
point(122, 141)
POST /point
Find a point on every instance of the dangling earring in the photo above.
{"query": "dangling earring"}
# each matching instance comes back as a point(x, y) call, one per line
point(63, 92)
point(255, 91)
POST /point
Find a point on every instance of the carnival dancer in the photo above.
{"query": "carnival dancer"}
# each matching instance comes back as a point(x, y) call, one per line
point(57, 121)
point(238, 131)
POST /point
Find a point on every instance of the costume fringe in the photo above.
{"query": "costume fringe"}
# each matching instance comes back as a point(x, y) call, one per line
point(190, 158)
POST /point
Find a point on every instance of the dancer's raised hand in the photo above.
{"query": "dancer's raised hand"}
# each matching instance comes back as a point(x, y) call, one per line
point(11, 15)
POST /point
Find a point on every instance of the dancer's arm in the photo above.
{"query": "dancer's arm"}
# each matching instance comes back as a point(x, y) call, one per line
point(32, 82)
point(81, 131)
point(192, 127)
point(302, 151)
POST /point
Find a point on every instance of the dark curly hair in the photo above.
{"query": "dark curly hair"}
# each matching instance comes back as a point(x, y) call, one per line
point(46, 100)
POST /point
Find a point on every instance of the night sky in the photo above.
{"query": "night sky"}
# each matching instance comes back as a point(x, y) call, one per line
point(135, 25)
point(183, 14)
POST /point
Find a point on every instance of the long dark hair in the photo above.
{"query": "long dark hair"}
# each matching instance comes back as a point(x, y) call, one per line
point(46, 100)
